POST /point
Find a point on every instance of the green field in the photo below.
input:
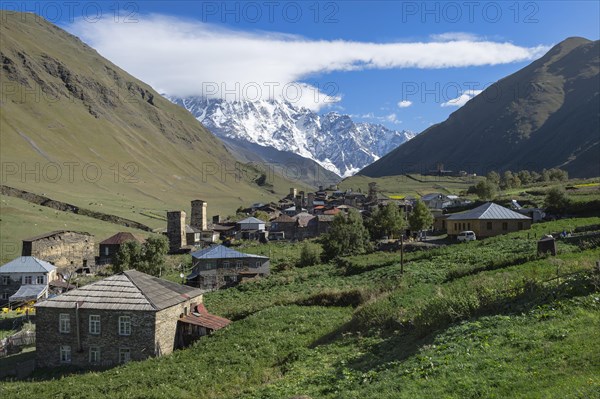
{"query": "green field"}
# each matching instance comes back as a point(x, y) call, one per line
point(410, 185)
point(484, 319)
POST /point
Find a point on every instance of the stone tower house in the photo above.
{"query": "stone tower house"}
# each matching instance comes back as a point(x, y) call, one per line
point(176, 230)
point(198, 221)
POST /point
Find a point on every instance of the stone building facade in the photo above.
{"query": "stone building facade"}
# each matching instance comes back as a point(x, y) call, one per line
point(126, 317)
point(67, 250)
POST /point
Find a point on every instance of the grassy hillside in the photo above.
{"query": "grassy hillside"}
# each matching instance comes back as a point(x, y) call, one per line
point(542, 116)
point(20, 219)
point(79, 129)
point(483, 319)
point(410, 184)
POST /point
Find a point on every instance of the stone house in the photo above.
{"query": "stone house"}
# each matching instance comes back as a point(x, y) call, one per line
point(110, 246)
point(25, 278)
point(487, 220)
point(128, 316)
point(284, 224)
point(67, 250)
point(219, 266)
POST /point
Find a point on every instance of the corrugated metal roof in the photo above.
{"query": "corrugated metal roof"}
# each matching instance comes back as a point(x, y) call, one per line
point(28, 291)
point(488, 211)
point(204, 319)
point(53, 233)
point(27, 264)
point(130, 290)
point(223, 252)
point(121, 238)
point(251, 220)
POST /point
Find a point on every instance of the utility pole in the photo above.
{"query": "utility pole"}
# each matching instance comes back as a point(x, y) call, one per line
point(402, 253)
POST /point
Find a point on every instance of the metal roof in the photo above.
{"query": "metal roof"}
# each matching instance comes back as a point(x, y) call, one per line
point(488, 211)
point(222, 252)
point(28, 291)
point(27, 264)
point(202, 318)
point(120, 238)
point(251, 220)
point(432, 196)
point(130, 290)
point(53, 233)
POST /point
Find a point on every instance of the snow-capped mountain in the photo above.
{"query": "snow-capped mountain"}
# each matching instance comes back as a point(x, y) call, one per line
point(333, 140)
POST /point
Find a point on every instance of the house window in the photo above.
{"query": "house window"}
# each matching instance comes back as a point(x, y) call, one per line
point(4, 295)
point(5, 280)
point(39, 280)
point(468, 226)
point(489, 225)
point(124, 325)
point(64, 323)
point(65, 354)
point(124, 355)
point(28, 280)
point(226, 264)
point(239, 264)
point(258, 264)
point(504, 226)
point(94, 324)
point(94, 354)
point(106, 251)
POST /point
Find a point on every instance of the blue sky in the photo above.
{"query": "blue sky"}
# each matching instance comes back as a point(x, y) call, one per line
point(404, 64)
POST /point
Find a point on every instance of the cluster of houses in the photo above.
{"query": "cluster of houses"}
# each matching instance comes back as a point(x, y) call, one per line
point(132, 316)
point(127, 316)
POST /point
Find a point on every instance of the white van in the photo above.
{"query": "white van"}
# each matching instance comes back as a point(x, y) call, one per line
point(465, 236)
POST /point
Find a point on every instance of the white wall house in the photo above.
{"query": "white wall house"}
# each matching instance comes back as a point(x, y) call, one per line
point(251, 223)
point(25, 278)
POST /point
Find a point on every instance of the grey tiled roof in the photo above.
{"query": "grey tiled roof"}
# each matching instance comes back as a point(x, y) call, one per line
point(488, 211)
point(130, 290)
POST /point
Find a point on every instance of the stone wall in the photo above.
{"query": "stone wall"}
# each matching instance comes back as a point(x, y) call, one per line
point(49, 338)
point(220, 275)
point(166, 325)
point(67, 250)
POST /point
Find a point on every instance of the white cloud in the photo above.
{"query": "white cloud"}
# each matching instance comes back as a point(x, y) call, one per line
point(404, 104)
point(462, 99)
point(454, 36)
point(183, 58)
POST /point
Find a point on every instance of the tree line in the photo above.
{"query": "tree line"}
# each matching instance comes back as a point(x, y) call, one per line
point(488, 189)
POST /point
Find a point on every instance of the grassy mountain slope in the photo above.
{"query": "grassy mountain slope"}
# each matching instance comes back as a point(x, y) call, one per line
point(77, 128)
point(544, 115)
point(289, 165)
point(484, 319)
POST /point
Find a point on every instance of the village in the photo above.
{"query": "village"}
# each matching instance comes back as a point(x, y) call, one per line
point(132, 315)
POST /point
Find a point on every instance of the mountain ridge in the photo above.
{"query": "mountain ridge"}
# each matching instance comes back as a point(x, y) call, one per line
point(542, 116)
point(333, 140)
